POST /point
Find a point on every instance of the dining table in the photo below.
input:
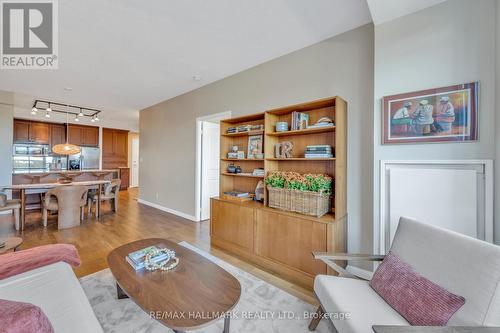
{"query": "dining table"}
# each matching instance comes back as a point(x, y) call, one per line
point(44, 187)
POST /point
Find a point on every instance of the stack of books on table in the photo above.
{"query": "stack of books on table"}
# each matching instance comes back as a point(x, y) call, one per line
point(136, 259)
point(319, 151)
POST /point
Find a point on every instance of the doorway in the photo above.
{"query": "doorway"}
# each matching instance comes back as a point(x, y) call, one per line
point(134, 161)
point(208, 162)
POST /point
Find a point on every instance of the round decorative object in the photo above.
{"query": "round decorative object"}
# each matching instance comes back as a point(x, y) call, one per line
point(170, 262)
point(237, 169)
point(281, 126)
point(231, 168)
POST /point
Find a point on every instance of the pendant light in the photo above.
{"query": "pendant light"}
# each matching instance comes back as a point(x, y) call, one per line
point(66, 148)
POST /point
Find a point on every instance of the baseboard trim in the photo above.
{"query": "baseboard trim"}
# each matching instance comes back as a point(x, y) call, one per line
point(364, 273)
point(168, 210)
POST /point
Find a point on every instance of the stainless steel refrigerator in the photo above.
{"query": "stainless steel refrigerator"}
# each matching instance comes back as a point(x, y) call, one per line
point(87, 159)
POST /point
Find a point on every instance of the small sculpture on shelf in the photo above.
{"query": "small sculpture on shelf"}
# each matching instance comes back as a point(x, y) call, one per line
point(235, 153)
point(283, 149)
point(231, 168)
point(259, 191)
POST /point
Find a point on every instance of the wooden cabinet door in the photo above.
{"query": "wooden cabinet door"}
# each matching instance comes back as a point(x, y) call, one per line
point(21, 131)
point(121, 144)
point(75, 135)
point(290, 240)
point(125, 178)
point(39, 132)
point(232, 223)
point(107, 142)
point(90, 136)
point(57, 134)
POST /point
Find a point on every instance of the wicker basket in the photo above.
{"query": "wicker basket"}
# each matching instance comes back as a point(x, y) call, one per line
point(304, 202)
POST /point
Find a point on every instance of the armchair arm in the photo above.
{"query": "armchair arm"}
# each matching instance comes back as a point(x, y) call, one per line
point(348, 256)
point(329, 259)
point(433, 329)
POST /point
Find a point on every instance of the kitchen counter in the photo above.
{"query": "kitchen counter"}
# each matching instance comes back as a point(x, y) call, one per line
point(36, 173)
point(52, 176)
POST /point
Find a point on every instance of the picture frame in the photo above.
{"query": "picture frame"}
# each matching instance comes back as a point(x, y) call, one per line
point(446, 114)
point(255, 146)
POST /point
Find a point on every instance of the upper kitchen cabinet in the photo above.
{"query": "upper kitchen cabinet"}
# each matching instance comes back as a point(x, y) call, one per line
point(81, 135)
point(31, 132)
point(114, 148)
point(57, 134)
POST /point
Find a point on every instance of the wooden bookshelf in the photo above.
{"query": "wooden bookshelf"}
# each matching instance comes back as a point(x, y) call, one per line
point(254, 231)
point(240, 175)
point(301, 159)
point(304, 131)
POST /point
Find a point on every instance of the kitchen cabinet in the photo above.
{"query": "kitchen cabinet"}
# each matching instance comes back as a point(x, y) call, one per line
point(57, 134)
point(83, 135)
point(125, 178)
point(114, 148)
point(31, 132)
point(21, 131)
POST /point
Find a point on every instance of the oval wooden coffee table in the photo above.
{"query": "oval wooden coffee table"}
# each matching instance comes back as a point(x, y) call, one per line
point(194, 294)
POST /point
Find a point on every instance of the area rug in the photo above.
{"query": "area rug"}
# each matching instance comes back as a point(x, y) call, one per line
point(262, 307)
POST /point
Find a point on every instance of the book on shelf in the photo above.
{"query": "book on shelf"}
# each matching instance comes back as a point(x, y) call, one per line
point(237, 194)
point(300, 120)
point(136, 259)
point(259, 172)
point(321, 125)
point(318, 155)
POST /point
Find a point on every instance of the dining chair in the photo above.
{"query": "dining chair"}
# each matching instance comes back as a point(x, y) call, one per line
point(110, 193)
point(69, 201)
point(13, 205)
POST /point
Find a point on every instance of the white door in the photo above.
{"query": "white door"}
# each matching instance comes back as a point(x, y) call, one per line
point(210, 155)
point(134, 177)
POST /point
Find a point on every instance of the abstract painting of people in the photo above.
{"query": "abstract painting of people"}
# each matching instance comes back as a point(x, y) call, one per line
point(433, 115)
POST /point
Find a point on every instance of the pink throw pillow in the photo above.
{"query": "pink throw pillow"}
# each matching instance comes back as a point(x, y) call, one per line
point(19, 317)
point(420, 301)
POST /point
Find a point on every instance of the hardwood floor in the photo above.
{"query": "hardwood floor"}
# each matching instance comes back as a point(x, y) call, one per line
point(96, 238)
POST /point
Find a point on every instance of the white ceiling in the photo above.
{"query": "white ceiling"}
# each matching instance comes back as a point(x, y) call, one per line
point(386, 10)
point(125, 55)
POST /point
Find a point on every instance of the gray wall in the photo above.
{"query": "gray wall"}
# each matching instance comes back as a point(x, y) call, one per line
point(450, 43)
point(6, 135)
point(342, 65)
point(497, 128)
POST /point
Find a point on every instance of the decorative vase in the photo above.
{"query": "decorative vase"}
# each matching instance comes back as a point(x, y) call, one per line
point(231, 168)
point(3, 199)
point(237, 169)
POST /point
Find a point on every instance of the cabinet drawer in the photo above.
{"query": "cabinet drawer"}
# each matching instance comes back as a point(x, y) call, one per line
point(232, 223)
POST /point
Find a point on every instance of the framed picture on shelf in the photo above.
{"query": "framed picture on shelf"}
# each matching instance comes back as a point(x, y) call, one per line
point(255, 144)
point(433, 115)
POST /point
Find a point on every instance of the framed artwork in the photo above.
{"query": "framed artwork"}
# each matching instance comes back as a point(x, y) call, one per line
point(433, 115)
point(255, 144)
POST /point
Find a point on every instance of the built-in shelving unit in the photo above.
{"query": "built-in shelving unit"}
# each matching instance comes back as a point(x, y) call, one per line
point(270, 237)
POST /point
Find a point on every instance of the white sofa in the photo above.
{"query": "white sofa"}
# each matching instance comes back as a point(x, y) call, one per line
point(56, 290)
point(463, 265)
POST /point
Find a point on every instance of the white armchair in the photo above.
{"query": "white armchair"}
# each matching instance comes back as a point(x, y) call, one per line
point(463, 265)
